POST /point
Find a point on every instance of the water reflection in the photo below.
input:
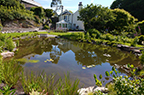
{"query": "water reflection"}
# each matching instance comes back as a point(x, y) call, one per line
point(72, 57)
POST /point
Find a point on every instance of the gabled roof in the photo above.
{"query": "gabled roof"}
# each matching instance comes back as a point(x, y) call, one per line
point(66, 12)
point(32, 2)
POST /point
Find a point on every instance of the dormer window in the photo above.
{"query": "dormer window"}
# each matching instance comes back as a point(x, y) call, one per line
point(65, 18)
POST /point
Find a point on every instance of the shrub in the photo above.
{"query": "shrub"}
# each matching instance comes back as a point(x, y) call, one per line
point(11, 13)
point(94, 31)
point(9, 44)
point(123, 85)
point(46, 27)
point(140, 27)
point(134, 42)
point(141, 39)
point(1, 27)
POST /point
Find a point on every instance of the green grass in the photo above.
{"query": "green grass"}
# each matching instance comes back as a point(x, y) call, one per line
point(19, 34)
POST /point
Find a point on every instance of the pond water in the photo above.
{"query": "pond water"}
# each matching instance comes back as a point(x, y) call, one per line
point(81, 60)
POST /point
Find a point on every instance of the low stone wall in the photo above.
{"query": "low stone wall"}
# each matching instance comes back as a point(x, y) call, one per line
point(19, 30)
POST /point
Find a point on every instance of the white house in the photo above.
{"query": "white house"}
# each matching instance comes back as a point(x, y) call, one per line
point(68, 20)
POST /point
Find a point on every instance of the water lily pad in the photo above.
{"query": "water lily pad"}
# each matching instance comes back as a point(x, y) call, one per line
point(89, 66)
point(27, 61)
point(83, 67)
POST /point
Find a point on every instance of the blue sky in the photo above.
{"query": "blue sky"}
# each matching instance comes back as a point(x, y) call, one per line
point(73, 4)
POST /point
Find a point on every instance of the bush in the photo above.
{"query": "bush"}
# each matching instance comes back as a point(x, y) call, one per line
point(140, 27)
point(134, 42)
point(9, 44)
point(123, 85)
point(1, 27)
point(94, 31)
point(141, 39)
point(11, 13)
point(46, 27)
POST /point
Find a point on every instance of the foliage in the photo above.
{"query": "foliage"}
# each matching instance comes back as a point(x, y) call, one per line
point(140, 27)
point(49, 84)
point(9, 44)
point(11, 72)
point(57, 4)
point(39, 11)
point(141, 39)
point(123, 85)
point(135, 41)
point(11, 13)
point(142, 58)
point(46, 27)
point(135, 7)
point(49, 13)
point(7, 90)
point(11, 3)
point(124, 21)
point(1, 26)
point(96, 16)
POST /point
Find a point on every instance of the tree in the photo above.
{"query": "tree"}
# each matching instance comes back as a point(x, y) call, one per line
point(96, 16)
point(56, 4)
point(39, 11)
point(70, 11)
point(135, 7)
point(124, 21)
point(49, 13)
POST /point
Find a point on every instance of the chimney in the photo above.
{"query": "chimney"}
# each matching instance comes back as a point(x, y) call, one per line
point(80, 5)
point(61, 9)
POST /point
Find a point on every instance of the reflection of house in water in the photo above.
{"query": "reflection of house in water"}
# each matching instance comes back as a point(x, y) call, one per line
point(66, 46)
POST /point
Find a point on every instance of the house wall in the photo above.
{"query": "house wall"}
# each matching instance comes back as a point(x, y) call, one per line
point(73, 19)
point(77, 22)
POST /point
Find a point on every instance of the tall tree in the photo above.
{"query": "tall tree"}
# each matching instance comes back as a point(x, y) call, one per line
point(135, 7)
point(96, 17)
point(57, 4)
point(124, 21)
point(49, 12)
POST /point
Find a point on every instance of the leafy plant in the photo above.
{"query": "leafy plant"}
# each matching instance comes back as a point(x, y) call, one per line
point(11, 72)
point(7, 90)
point(46, 27)
point(123, 85)
point(9, 44)
point(49, 84)
point(1, 27)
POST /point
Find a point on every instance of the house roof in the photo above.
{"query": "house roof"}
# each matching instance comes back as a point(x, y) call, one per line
point(32, 2)
point(66, 12)
point(62, 21)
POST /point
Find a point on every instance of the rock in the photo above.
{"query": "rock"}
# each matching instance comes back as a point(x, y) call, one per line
point(7, 54)
point(92, 89)
point(136, 51)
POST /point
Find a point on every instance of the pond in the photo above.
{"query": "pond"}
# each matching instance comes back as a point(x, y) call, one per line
point(81, 60)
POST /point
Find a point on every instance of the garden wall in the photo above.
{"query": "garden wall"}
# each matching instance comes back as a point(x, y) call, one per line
point(19, 30)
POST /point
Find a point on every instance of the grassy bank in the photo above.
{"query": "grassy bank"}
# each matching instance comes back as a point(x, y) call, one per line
point(98, 38)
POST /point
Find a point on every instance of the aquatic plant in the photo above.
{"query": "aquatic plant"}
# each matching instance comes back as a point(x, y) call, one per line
point(49, 84)
point(10, 72)
point(7, 90)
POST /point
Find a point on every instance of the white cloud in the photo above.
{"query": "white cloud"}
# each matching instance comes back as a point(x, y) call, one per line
point(92, 1)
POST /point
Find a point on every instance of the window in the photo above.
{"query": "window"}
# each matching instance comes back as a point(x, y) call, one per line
point(65, 18)
point(63, 25)
point(66, 25)
point(60, 25)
